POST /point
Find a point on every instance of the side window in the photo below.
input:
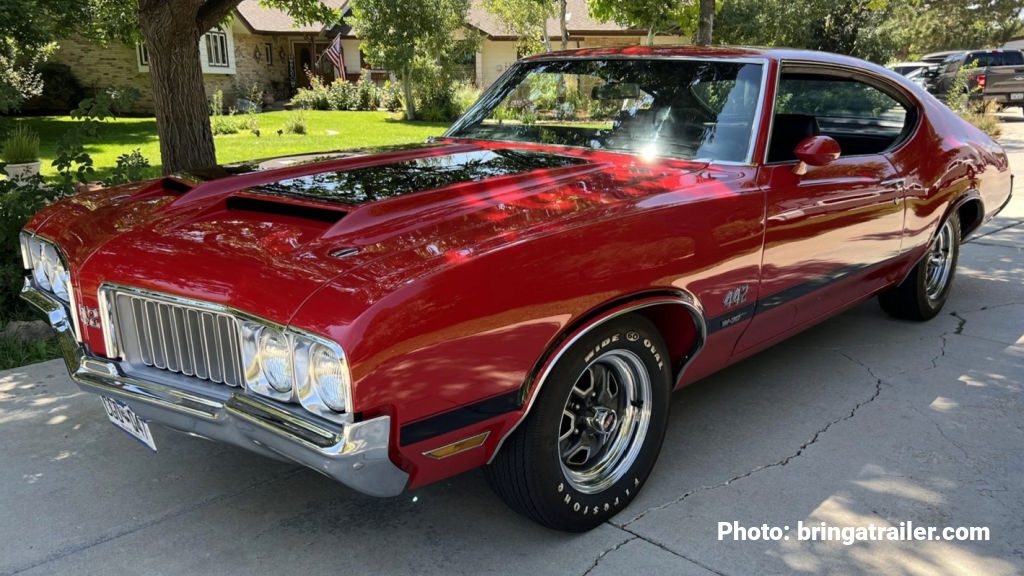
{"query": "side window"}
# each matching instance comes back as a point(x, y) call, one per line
point(860, 117)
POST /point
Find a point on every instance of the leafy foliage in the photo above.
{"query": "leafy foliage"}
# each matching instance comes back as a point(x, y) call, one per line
point(417, 39)
point(922, 26)
point(74, 165)
point(860, 28)
point(525, 19)
point(28, 29)
point(652, 15)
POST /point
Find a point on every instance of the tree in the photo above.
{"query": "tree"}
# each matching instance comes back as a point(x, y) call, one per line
point(527, 20)
point(27, 33)
point(172, 30)
point(653, 15)
point(397, 33)
point(705, 22)
point(857, 27)
point(931, 25)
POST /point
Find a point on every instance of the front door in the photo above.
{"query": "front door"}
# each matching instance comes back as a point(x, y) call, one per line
point(829, 231)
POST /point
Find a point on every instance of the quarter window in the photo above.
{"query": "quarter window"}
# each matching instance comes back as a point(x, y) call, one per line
point(862, 118)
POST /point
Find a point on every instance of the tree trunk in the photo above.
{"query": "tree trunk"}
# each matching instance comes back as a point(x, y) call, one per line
point(705, 22)
point(410, 102)
point(650, 35)
point(562, 7)
point(179, 97)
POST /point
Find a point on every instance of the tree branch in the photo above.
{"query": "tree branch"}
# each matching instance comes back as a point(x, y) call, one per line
point(213, 12)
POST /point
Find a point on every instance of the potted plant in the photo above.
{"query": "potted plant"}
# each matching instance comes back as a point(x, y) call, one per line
point(20, 153)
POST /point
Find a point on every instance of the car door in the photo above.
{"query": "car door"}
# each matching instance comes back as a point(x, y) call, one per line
point(829, 228)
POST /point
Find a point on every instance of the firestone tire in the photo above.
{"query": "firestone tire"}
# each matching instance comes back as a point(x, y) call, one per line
point(924, 292)
point(593, 436)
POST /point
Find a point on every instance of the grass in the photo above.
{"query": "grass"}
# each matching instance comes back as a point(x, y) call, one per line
point(15, 352)
point(325, 131)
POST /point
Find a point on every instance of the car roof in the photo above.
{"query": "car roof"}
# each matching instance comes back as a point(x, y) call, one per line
point(776, 54)
point(703, 52)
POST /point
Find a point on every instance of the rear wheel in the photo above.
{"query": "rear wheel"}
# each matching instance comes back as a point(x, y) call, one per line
point(923, 293)
point(593, 436)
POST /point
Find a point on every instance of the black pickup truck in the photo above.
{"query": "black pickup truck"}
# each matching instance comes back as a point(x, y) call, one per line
point(997, 75)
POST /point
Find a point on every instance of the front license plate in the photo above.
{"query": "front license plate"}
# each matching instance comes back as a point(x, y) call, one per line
point(1017, 96)
point(126, 419)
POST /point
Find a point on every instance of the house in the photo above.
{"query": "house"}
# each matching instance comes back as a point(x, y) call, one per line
point(498, 48)
point(265, 46)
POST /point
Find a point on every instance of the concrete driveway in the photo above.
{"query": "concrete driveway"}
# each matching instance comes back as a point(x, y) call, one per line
point(863, 419)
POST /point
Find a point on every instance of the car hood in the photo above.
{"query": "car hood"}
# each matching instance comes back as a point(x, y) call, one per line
point(263, 237)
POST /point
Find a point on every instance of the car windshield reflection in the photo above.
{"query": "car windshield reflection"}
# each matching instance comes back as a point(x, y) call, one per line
point(689, 109)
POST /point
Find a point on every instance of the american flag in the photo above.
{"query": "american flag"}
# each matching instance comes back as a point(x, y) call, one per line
point(336, 56)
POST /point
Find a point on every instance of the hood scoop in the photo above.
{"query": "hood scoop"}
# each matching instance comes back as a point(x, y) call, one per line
point(384, 181)
point(253, 204)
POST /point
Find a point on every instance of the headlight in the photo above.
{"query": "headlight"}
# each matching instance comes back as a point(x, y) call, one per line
point(328, 376)
point(290, 365)
point(48, 270)
point(275, 357)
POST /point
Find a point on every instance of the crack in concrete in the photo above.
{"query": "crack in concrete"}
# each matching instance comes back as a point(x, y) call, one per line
point(777, 464)
point(103, 539)
point(661, 546)
point(961, 321)
point(609, 551)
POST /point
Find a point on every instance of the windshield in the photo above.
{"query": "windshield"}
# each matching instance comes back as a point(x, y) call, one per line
point(690, 109)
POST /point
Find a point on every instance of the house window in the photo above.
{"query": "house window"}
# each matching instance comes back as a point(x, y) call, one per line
point(217, 48)
point(143, 54)
point(268, 51)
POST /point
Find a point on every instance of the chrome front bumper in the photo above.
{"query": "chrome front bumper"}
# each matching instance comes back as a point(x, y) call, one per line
point(355, 454)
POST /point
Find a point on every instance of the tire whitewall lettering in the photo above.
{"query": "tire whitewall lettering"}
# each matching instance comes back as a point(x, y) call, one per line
point(586, 449)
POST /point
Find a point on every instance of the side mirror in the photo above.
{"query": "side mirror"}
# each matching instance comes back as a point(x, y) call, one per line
point(815, 151)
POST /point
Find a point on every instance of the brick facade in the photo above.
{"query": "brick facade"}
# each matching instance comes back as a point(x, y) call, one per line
point(117, 65)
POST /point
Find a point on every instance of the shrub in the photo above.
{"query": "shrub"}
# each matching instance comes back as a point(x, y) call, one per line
point(225, 124)
point(466, 95)
point(20, 146)
point(130, 168)
point(295, 123)
point(342, 95)
point(367, 93)
point(391, 96)
point(61, 91)
point(316, 97)
point(217, 103)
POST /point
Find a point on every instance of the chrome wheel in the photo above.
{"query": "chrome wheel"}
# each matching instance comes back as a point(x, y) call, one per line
point(939, 262)
point(604, 421)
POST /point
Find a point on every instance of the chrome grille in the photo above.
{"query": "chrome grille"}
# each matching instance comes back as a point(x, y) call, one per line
point(166, 334)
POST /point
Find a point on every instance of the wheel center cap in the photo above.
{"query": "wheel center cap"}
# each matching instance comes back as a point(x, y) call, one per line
point(604, 420)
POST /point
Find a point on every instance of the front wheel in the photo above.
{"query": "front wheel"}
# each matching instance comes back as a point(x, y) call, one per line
point(923, 293)
point(593, 436)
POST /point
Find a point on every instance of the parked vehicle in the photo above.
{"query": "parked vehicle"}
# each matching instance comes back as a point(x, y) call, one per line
point(602, 227)
point(995, 75)
point(906, 68)
point(939, 57)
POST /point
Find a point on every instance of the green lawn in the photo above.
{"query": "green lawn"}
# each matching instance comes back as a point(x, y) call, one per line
point(324, 131)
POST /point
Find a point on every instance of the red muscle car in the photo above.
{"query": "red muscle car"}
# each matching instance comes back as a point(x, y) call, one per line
point(603, 227)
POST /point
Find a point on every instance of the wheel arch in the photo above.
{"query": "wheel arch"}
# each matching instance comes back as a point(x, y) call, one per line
point(677, 315)
point(971, 210)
